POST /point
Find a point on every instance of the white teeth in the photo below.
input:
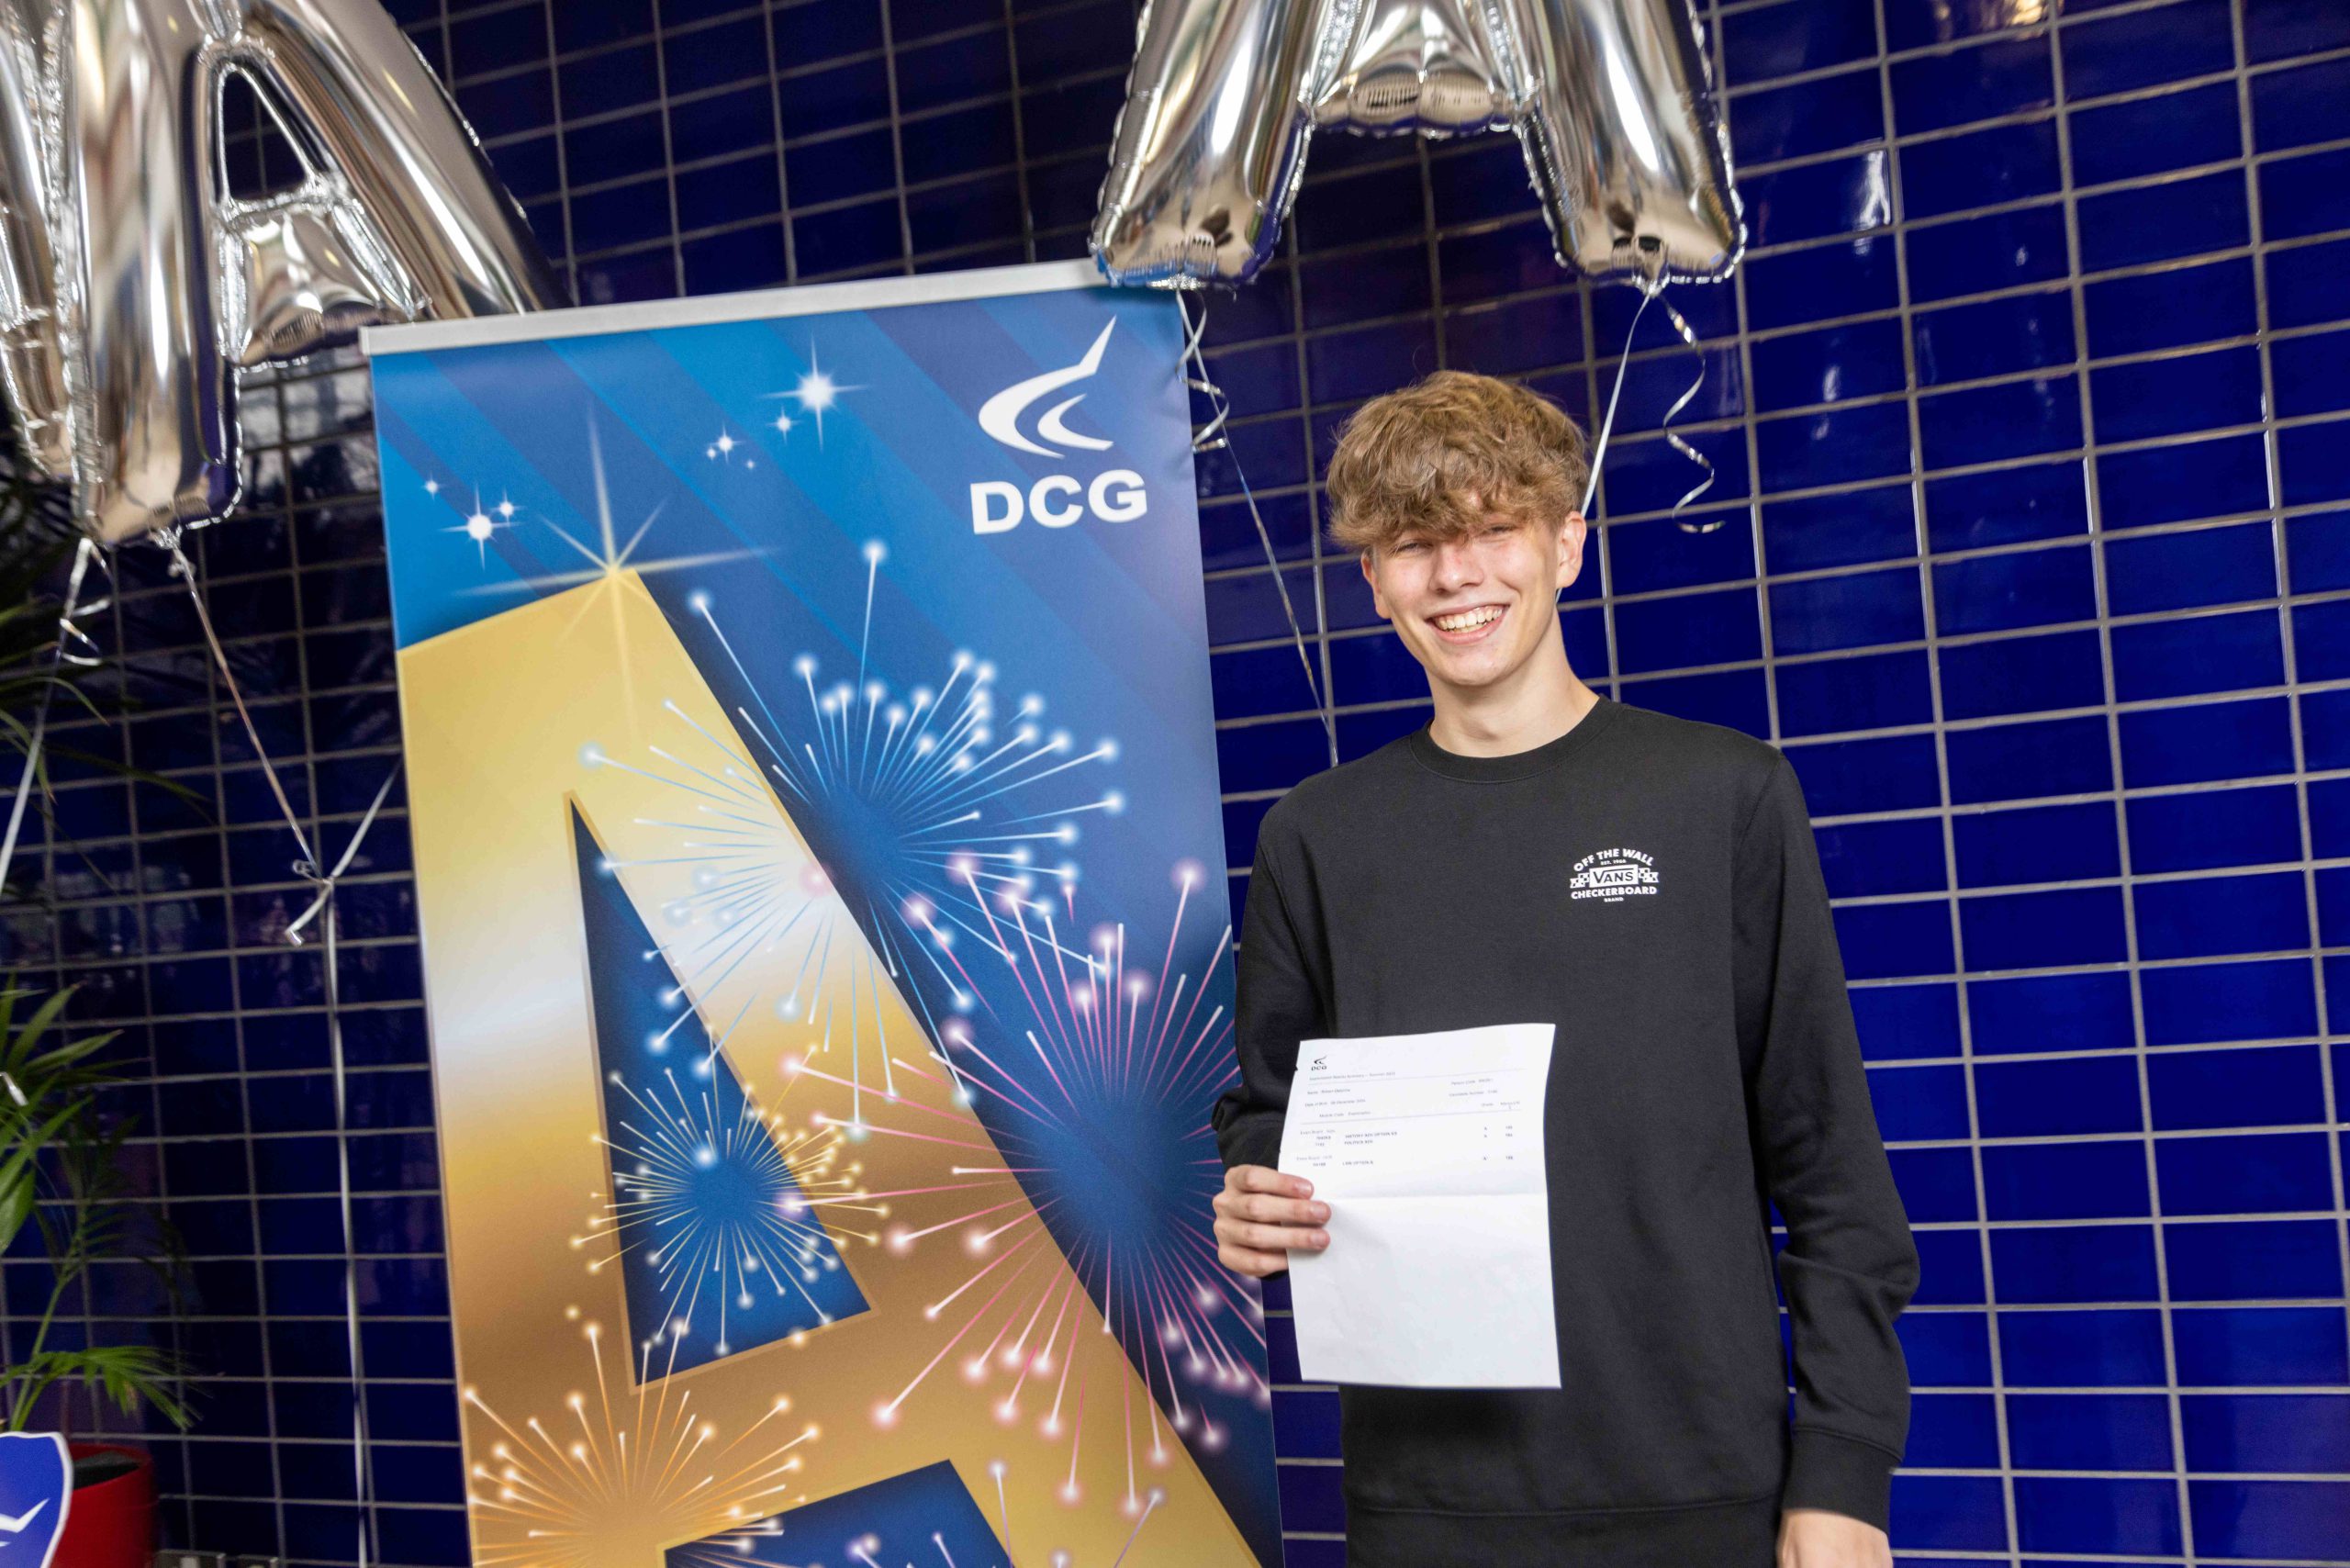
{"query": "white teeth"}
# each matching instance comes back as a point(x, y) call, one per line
point(1468, 620)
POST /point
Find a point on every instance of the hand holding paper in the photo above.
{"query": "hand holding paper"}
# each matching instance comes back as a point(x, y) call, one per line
point(1262, 1216)
point(1429, 1150)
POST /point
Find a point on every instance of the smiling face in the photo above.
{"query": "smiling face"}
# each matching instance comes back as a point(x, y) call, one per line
point(1461, 495)
point(1476, 608)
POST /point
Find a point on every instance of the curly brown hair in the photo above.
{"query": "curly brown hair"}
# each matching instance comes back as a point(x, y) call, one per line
point(1447, 453)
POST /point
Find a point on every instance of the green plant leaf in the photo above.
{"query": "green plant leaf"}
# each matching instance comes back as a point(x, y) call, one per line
point(61, 1166)
point(125, 1375)
point(16, 1207)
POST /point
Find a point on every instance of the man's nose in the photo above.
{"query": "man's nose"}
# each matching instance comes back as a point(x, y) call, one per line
point(1456, 563)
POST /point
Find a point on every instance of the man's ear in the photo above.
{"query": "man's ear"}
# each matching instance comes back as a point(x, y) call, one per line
point(1371, 575)
point(1572, 534)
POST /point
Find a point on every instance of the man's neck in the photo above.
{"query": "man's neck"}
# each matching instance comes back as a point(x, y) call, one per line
point(1540, 701)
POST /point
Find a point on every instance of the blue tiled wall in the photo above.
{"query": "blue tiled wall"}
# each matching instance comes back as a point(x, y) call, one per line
point(2034, 552)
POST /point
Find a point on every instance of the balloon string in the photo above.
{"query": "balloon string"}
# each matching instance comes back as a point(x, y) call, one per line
point(309, 870)
point(1212, 436)
point(1672, 437)
point(67, 633)
point(1607, 423)
point(1654, 294)
point(321, 905)
point(363, 1457)
point(181, 569)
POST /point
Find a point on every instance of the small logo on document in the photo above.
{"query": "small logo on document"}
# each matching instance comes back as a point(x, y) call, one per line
point(1055, 500)
point(1614, 875)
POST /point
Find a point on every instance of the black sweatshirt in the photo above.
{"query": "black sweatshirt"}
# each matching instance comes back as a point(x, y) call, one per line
point(1650, 886)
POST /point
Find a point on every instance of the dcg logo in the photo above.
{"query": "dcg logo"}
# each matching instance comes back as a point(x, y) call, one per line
point(999, 506)
point(1116, 496)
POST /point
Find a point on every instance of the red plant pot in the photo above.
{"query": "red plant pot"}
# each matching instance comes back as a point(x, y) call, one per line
point(112, 1521)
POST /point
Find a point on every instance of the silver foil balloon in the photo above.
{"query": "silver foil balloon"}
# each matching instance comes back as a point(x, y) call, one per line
point(1425, 65)
point(32, 355)
point(1624, 137)
point(135, 282)
point(1610, 99)
point(1212, 140)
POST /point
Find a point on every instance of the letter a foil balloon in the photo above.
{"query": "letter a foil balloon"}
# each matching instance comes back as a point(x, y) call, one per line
point(1611, 100)
point(132, 283)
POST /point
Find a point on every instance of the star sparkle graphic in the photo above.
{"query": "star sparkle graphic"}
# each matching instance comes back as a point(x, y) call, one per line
point(606, 557)
point(482, 523)
point(816, 393)
point(723, 450)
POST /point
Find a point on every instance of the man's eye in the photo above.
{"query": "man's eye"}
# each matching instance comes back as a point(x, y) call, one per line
point(1410, 547)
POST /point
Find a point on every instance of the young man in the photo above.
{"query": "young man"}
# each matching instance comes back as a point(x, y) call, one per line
point(1705, 1058)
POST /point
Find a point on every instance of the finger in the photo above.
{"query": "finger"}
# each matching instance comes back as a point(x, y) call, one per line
point(1255, 1265)
point(1249, 1260)
point(1278, 1211)
point(1271, 1237)
point(1264, 1179)
point(1266, 1209)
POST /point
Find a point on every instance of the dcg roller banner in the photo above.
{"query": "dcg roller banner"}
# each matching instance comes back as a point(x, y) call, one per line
point(812, 784)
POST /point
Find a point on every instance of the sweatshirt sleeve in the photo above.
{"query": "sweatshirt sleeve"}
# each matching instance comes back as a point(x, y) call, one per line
point(1849, 1264)
point(1278, 1004)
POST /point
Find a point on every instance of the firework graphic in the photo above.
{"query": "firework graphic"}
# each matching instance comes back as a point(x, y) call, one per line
point(1074, 1057)
point(708, 1212)
point(720, 1199)
point(710, 1194)
point(1059, 1083)
point(904, 797)
point(1068, 1303)
point(633, 1470)
point(1113, 1182)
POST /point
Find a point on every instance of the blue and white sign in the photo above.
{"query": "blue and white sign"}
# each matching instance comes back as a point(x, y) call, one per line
point(36, 1491)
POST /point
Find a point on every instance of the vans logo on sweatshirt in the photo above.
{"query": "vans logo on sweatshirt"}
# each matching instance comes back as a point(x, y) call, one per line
point(1614, 875)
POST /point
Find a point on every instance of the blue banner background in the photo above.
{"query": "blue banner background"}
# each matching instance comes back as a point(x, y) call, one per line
point(514, 471)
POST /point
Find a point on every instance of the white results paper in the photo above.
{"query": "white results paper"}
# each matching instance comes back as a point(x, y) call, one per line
point(1429, 1150)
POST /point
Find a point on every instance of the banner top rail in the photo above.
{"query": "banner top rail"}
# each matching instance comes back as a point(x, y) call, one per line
point(755, 305)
